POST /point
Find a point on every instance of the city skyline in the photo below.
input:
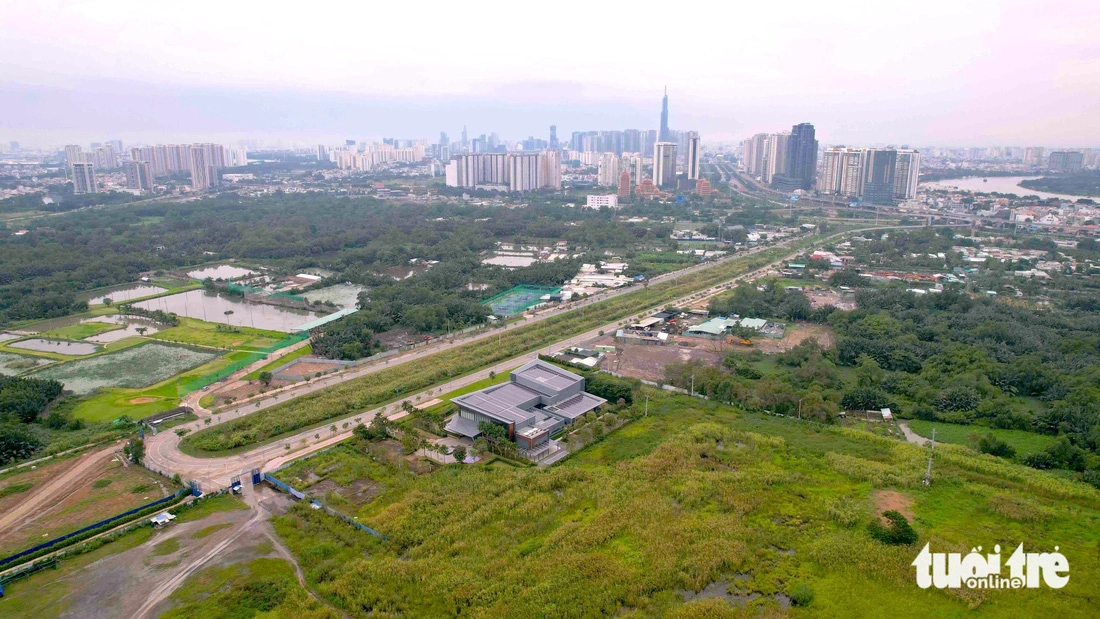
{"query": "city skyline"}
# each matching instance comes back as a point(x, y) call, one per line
point(971, 74)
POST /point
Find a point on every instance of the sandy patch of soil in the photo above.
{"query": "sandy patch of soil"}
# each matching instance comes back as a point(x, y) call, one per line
point(890, 500)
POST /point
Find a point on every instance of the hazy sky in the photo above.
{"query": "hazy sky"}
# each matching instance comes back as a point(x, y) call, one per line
point(964, 72)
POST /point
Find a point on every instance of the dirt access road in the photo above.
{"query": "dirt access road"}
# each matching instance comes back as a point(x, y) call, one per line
point(56, 490)
point(137, 582)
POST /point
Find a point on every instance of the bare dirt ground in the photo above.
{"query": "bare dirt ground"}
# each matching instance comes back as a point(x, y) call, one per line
point(886, 500)
point(796, 333)
point(648, 362)
point(308, 368)
point(72, 500)
point(245, 389)
point(831, 298)
point(138, 581)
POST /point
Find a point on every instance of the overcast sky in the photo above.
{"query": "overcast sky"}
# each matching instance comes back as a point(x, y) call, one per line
point(964, 72)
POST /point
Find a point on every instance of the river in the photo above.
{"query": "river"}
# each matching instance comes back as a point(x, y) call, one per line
point(999, 184)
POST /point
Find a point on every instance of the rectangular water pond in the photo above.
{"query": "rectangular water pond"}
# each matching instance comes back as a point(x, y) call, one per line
point(140, 366)
point(61, 347)
point(135, 291)
point(228, 310)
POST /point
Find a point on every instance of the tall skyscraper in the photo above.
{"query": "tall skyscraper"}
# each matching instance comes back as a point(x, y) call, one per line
point(608, 170)
point(443, 139)
point(1066, 161)
point(203, 173)
point(754, 150)
point(139, 175)
point(801, 160)
point(73, 154)
point(551, 174)
point(465, 141)
point(850, 182)
point(907, 175)
point(878, 179)
point(664, 135)
point(554, 137)
point(775, 156)
point(322, 153)
point(691, 157)
point(664, 164)
point(83, 173)
point(1033, 155)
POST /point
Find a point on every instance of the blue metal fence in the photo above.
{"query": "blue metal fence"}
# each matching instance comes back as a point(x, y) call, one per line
point(101, 523)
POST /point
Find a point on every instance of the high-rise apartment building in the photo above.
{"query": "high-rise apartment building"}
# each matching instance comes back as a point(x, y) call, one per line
point(800, 166)
point(139, 175)
point(664, 164)
point(73, 154)
point(523, 171)
point(664, 135)
point(691, 157)
point(1034, 155)
point(775, 155)
point(608, 170)
point(878, 180)
point(850, 181)
point(1066, 161)
point(105, 157)
point(753, 153)
point(907, 175)
point(551, 169)
point(203, 173)
point(83, 173)
point(520, 171)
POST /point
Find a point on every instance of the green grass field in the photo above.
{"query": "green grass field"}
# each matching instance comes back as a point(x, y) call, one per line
point(81, 330)
point(199, 333)
point(1023, 442)
point(696, 494)
point(264, 587)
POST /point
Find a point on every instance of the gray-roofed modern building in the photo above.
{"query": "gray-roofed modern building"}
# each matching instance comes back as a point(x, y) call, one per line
point(538, 400)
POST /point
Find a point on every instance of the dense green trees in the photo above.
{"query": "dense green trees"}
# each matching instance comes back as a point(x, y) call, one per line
point(17, 442)
point(773, 301)
point(25, 399)
point(351, 337)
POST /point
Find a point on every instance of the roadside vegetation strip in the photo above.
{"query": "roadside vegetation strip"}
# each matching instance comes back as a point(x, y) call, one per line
point(392, 383)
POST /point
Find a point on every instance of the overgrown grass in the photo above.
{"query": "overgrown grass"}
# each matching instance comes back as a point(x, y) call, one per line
point(261, 586)
point(166, 547)
point(201, 333)
point(693, 494)
point(1023, 442)
point(81, 330)
point(212, 505)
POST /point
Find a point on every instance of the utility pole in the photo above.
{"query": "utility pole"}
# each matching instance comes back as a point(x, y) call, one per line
point(693, 385)
point(646, 405)
point(928, 473)
point(800, 407)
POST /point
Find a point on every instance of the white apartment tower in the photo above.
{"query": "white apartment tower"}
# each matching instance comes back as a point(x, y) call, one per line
point(907, 175)
point(691, 157)
point(608, 174)
point(664, 164)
